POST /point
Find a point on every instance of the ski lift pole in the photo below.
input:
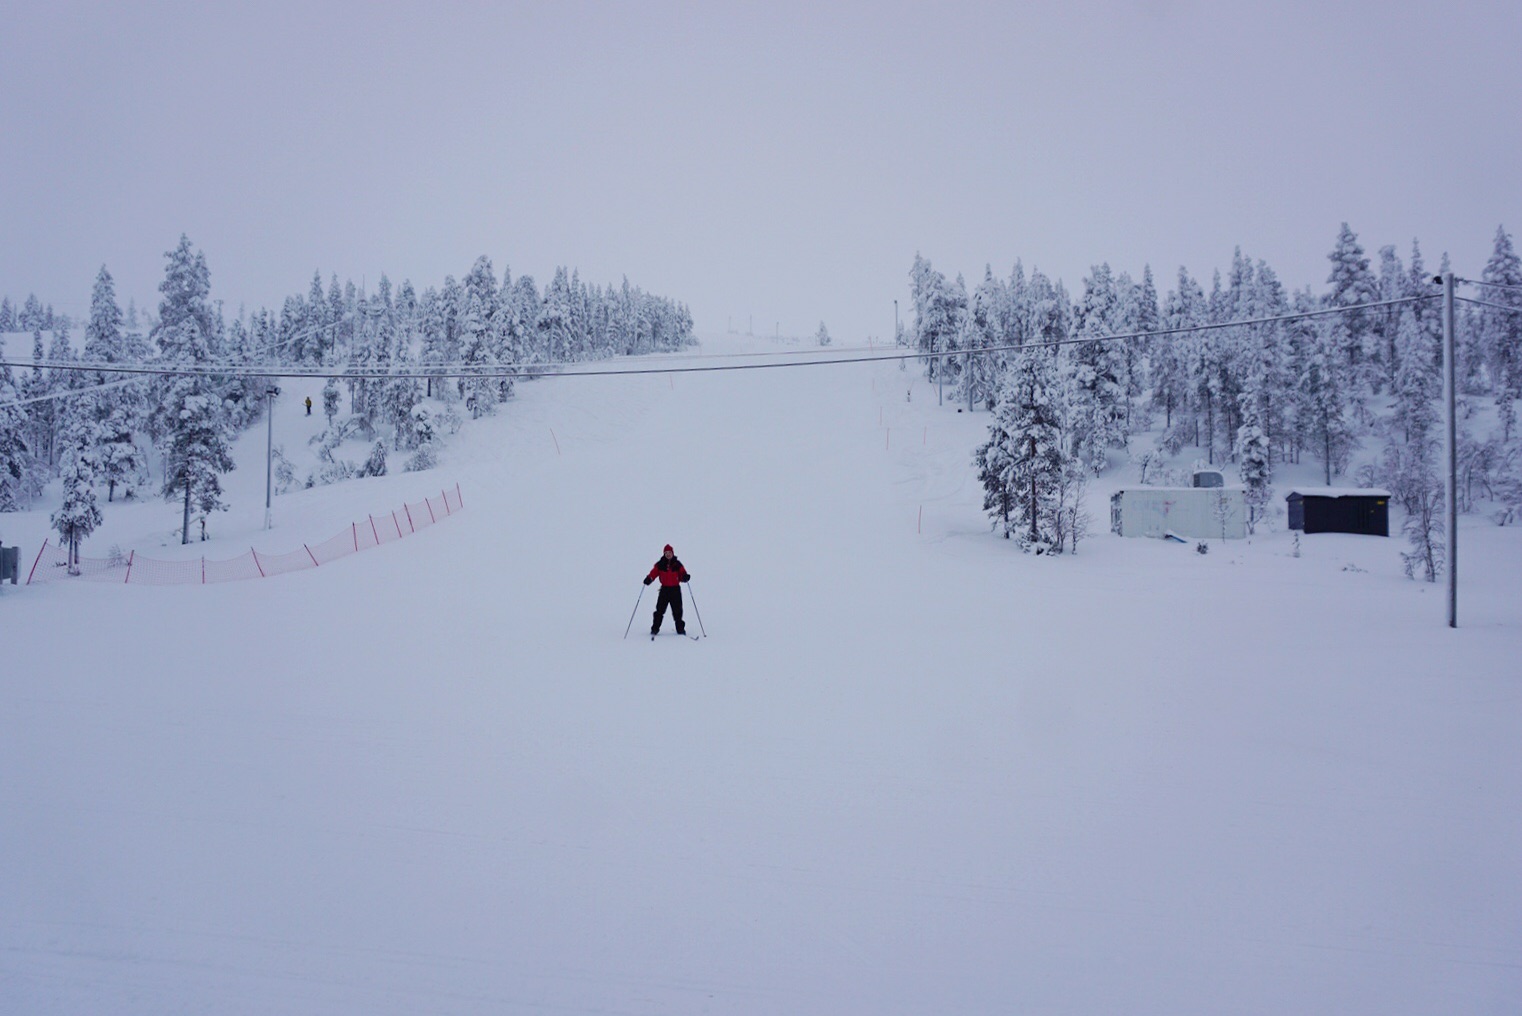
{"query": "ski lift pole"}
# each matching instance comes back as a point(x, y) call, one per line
point(635, 611)
point(695, 609)
point(1451, 447)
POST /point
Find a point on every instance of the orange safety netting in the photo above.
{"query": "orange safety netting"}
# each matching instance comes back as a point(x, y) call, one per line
point(52, 562)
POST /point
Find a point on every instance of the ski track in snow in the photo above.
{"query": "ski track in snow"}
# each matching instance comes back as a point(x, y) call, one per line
point(910, 770)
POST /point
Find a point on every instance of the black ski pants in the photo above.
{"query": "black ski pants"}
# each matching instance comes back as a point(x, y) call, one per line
point(669, 596)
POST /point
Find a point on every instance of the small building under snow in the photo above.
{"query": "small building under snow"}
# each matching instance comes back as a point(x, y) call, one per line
point(1361, 510)
point(1196, 513)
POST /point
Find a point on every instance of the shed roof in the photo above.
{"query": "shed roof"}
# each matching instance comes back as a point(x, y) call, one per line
point(1338, 492)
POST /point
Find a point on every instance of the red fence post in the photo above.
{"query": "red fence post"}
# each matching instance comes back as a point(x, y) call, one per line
point(131, 556)
point(458, 497)
point(34, 562)
point(397, 524)
point(409, 517)
point(203, 569)
point(254, 552)
point(373, 531)
point(310, 554)
point(431, 516)
point(445, 495)
point(355, 527)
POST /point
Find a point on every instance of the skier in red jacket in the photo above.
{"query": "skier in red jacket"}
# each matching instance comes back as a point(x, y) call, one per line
point(671, 573)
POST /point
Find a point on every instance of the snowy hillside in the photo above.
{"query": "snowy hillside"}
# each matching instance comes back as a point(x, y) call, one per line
point(910, 769)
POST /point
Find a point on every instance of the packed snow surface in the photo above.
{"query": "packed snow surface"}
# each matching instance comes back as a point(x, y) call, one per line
point(910, 770)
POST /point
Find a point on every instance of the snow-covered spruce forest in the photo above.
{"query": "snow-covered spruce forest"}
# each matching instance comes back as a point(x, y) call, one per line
point(1334, 389)
point(131, 436)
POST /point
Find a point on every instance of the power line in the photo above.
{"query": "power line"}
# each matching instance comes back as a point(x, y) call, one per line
point(1490, 285)
point(520, 371)
point(70, 393)
point(1487, 303)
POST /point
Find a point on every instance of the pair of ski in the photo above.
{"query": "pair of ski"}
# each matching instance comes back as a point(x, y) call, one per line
point(655, 634)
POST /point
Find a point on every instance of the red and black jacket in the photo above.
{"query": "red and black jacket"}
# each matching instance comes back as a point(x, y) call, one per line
point(669, 572)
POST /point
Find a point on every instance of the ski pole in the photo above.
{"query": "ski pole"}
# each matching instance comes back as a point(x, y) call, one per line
point(636, 611)
point(695, 609)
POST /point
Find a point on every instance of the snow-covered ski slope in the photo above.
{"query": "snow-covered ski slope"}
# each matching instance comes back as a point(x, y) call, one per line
point(910, 771)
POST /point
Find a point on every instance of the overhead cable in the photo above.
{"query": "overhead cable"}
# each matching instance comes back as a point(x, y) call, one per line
point(538, 371)
point(1487, 303)
point(1490, 285)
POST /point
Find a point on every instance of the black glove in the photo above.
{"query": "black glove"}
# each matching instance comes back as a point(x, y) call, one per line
point(648, 581)
point(686, 578)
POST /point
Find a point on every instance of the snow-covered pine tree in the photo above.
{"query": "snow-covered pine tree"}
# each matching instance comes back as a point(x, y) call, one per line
point(384, 340)
point(1208, 372)
point(1253, 461)
point(1236, 362)
point(41, 416)
point(79, 514)
point(120, 411)
point(1145, 315)
point(579, 318)
point(1098, 410)
point(1502, 330)
point(1429, 313)
point(15, 454)
point(1020, 464)
point(122, 462)
point(402, 393)
point(557, 339)
point(183, 331)
point(480, 389)
point(188, 414)
point(330, 396)
point(1302, 337)
point(7, 316)
point(938, 308)
point(314, 325)
point(1353, 283)
point(1322, 400)
point(31, 318)
point(365, 357)
point(982, 330)
point(405, 314)
point(196, 453)
point(431, 328)
point(481, 283)
point(340, 322)
point(1418, 382)
point(375, 465)
point(1172, 387)
point(525, 323)
point(822, 337)
point(104, 337)
point(1394, 284)
point(1270, 373)
point(1014, 312)
point(60, 350)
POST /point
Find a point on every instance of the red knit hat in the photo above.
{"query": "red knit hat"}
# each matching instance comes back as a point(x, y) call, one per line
point(668, 546)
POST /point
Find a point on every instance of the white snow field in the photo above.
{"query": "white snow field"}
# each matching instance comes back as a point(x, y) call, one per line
point(909, 771)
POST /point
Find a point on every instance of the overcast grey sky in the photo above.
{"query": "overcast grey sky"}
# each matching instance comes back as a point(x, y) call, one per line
point(782, 160)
